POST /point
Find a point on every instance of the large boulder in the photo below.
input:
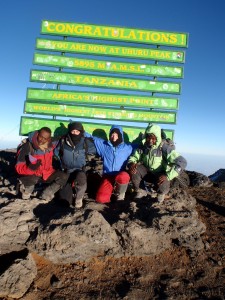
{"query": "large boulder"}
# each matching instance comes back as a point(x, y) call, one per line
point(218, 178)
point(17, 278)
point(64, 235)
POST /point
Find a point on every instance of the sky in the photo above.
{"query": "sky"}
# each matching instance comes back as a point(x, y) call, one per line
point(199, 131)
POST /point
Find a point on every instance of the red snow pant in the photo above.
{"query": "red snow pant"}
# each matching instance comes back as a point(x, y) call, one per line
point(107, 185)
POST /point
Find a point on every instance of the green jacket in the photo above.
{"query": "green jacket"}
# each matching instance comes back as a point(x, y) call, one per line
point(160, 158)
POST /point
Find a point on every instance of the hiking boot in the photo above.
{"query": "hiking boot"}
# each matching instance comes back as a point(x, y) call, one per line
point(120, 191)
point(120, 197)
point(26, 191)
point(140, 194)
point(79, 203)
point(161, 198)
point(49, 193)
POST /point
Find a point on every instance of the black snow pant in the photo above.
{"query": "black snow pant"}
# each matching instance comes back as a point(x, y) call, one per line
point(143, 174)
point(77, 181)
point(58, 177)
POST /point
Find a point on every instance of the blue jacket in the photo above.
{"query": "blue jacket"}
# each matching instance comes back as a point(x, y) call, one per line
point(114, 158)
point(74, 157)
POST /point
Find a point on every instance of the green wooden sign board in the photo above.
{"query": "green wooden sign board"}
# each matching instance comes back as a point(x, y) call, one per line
point(111, 50)
point(130, 108)
point(62, 96)
point(107, 66)
point(114, 33)
point(104, 82)
point(59, 127)
point(100, 113)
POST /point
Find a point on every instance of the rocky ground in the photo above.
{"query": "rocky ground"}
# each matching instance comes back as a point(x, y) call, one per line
point(128, 250)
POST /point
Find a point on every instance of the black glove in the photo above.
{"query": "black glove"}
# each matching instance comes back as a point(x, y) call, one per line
point(35, 166)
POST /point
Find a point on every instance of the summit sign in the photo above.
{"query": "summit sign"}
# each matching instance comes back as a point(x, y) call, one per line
point(115, 33)
point(102, 75)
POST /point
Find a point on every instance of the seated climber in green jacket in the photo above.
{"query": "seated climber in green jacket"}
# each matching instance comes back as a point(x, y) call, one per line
point(156, 162)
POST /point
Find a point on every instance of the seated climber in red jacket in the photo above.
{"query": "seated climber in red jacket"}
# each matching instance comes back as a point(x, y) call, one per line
point(34, 165)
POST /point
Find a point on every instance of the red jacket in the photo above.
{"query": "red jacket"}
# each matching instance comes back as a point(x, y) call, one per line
point(30, 147)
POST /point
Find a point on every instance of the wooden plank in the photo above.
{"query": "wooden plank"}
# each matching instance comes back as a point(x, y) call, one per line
point(107, 66)
point(123, 34)
point(100, 113)
point(110, 50)
point(105, 82)
point(59, 127)
point(63, 96)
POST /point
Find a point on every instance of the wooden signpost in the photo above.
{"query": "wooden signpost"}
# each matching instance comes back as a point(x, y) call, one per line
point(115, 75)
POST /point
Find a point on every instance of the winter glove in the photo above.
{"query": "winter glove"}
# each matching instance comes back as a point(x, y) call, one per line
point(133, 168)
point(161, 179)
point(56, 163)
point(35, 166)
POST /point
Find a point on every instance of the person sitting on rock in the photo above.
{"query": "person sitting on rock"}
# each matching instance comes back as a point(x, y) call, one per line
point(34, 165)
point(114, 154)
point(72, 151)
point(156, 162)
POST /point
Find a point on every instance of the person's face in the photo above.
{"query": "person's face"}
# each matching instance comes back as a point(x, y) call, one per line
point(43, 137)
point(75, 132)
point(151, 139)
point(114, 137)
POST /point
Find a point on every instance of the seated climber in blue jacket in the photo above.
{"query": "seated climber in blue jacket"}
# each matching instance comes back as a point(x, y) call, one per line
point(72, 151)
point(114, 154)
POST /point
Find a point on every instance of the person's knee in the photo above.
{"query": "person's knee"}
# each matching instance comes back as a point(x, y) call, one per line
point(122, 177)
point(59, 177)
point(29, 180)
point(64, 176)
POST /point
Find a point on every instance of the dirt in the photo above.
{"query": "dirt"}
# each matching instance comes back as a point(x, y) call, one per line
point(175, 274)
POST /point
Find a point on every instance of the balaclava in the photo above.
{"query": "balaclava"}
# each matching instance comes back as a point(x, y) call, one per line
point(75, 126)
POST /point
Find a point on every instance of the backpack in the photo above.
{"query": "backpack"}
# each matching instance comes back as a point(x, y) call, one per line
point(167, 142)
point(19, 147)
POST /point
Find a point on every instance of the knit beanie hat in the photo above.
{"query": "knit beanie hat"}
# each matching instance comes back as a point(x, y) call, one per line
point(75, 126)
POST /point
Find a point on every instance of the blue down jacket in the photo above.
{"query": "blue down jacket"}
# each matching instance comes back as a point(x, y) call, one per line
point(74, 157)
point(114, 158)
